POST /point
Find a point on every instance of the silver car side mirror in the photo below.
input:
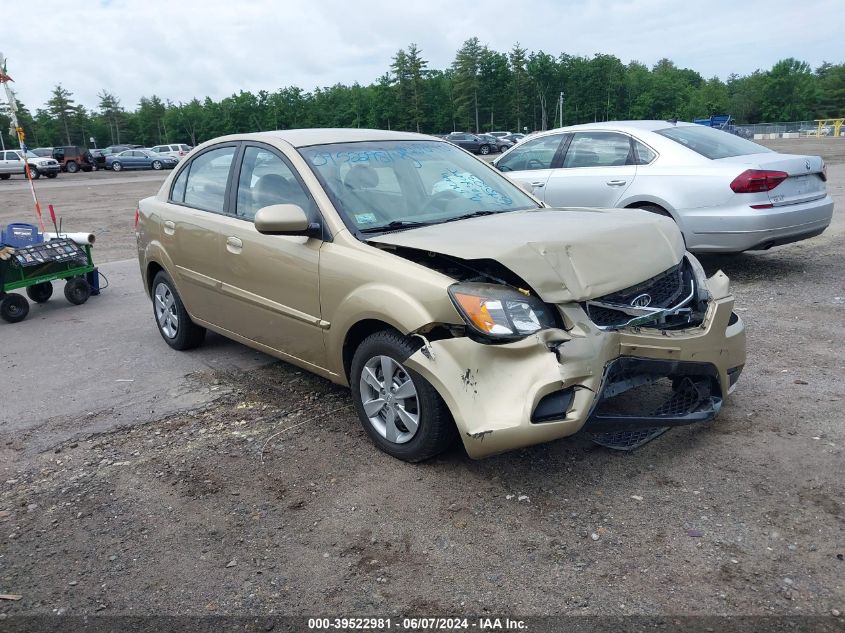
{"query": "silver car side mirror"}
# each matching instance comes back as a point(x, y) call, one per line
point(283, 219)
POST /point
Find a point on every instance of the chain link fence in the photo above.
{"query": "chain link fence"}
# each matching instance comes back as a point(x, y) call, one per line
point(786, 129)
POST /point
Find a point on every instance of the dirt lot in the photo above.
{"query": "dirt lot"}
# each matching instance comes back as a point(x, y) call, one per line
point(272, 500)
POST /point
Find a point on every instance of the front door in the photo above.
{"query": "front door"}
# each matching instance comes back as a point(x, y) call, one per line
point(273, 278)
point(531, 163)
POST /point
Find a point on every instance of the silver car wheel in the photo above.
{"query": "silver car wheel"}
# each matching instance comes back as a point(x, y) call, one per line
point(165, 310)
point(390, 400)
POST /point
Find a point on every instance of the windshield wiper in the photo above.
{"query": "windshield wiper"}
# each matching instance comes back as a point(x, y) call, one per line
point(395, 224)
point(475, 214)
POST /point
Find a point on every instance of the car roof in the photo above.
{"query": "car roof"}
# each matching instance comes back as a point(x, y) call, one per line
point(320, 136)
point(623, 126)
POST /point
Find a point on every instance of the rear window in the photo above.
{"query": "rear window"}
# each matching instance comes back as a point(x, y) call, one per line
point(710, 143)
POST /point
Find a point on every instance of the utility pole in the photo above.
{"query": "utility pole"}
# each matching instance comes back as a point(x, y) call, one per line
point(560, 107)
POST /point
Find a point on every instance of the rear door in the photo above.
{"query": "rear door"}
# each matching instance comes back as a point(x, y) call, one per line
point(191, 225)
point(597, 169)
point(532, 162)
point(270, 282)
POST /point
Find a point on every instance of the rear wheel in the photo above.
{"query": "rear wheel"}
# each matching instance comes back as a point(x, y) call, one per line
point(52, 174)
point(40, 293)
point(72, 167)
point(77, 290)
point(5, 176)
point(13, 308)
point(653, 208)
point(399, 409)
point(172, 320)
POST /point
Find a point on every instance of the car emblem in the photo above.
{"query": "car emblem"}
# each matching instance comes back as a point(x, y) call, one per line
point(807, 165)
point(641, 301)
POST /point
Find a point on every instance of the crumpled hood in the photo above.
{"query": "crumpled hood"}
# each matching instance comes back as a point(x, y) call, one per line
point(564, 254)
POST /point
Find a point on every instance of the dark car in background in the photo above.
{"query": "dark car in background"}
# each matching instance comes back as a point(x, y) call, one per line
point(498, 144)
point(74, 158)
point(139, 159)
point(471, 143)
point(97, 158)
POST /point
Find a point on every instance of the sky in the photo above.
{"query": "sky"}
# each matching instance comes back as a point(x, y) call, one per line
point(180, 49)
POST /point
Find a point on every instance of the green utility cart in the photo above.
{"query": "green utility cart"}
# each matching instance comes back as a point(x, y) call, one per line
point(34, 267)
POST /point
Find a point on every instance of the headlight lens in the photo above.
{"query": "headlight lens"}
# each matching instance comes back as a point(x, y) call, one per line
point(500, 312)
point(700, 277)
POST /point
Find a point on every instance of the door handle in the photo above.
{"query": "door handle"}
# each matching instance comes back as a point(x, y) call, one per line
point(169, 227)
point(616, 183)
point(537, 185)
point(234, 245)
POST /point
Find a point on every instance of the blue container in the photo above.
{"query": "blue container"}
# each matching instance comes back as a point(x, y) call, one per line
point(19, 234)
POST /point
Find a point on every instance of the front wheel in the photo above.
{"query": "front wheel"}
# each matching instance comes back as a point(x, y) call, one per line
point(399, 409)
point(77, 290)
point(172, 320)
point(34, 173)
point(116, 166)
point(484, 150)
point(156, 164)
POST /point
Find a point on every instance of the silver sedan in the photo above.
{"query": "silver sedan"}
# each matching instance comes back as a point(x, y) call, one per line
point(726, 193)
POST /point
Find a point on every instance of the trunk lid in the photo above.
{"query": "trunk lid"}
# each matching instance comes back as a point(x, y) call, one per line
point(564, 254)
point(806, 176)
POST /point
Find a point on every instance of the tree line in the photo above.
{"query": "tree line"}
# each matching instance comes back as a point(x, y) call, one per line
point(482, 90)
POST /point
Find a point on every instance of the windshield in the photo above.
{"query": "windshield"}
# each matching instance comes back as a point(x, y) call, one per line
point(28, 154)
point(711, 143)
point(388, 185)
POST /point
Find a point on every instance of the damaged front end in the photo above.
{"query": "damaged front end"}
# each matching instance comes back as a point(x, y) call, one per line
point(624, 366)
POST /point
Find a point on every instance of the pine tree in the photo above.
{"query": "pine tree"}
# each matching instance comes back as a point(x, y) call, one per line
point(62, 107)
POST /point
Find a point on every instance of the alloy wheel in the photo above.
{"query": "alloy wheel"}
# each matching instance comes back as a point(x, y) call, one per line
point(390, 399)
point(165, 310)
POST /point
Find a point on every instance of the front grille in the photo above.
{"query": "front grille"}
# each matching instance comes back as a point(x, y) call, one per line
point(667, 290)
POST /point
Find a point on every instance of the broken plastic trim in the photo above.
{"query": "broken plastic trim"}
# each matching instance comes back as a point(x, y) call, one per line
point(695, 395)
point(553, 406)
point(643, 315)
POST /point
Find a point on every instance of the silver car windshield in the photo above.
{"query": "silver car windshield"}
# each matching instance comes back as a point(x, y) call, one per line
point(390, 185)
point(710, 143)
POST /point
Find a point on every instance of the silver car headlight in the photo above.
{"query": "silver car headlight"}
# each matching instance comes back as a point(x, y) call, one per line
point(500, 312)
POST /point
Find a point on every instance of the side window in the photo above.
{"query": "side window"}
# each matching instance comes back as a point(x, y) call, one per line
point(12, 156)
point(265, 180)
point(644, 154)
point(534, 154)
point(206, 185)
point(156, 149)
point(177, 194)
point(598, 149)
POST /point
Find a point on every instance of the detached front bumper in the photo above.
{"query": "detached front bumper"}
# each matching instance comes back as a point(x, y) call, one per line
point(548, 386)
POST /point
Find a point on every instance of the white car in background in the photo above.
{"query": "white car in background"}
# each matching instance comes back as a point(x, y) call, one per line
point(726, 194)
point(174, 150)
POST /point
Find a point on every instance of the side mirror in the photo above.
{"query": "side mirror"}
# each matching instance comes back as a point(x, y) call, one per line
point(284, 219)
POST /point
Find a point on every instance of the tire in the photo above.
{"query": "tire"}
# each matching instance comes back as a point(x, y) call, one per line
point(172, 319)
point(5, 176)
point(13, 308)
point(156, 165)
point(116, 166)
point(52, 174)
point(484, 150)
point(40, 293)
point(389, 429)
point(72, 167)
point(34, 173)
point(77, 290)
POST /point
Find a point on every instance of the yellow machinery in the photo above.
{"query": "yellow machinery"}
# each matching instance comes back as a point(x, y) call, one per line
point(826, 123)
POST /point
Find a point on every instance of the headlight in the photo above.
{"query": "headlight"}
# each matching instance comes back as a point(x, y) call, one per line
point(500, 312)
point(700, 276)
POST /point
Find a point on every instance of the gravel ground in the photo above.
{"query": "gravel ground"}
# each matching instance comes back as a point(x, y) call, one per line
point(272, 500)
